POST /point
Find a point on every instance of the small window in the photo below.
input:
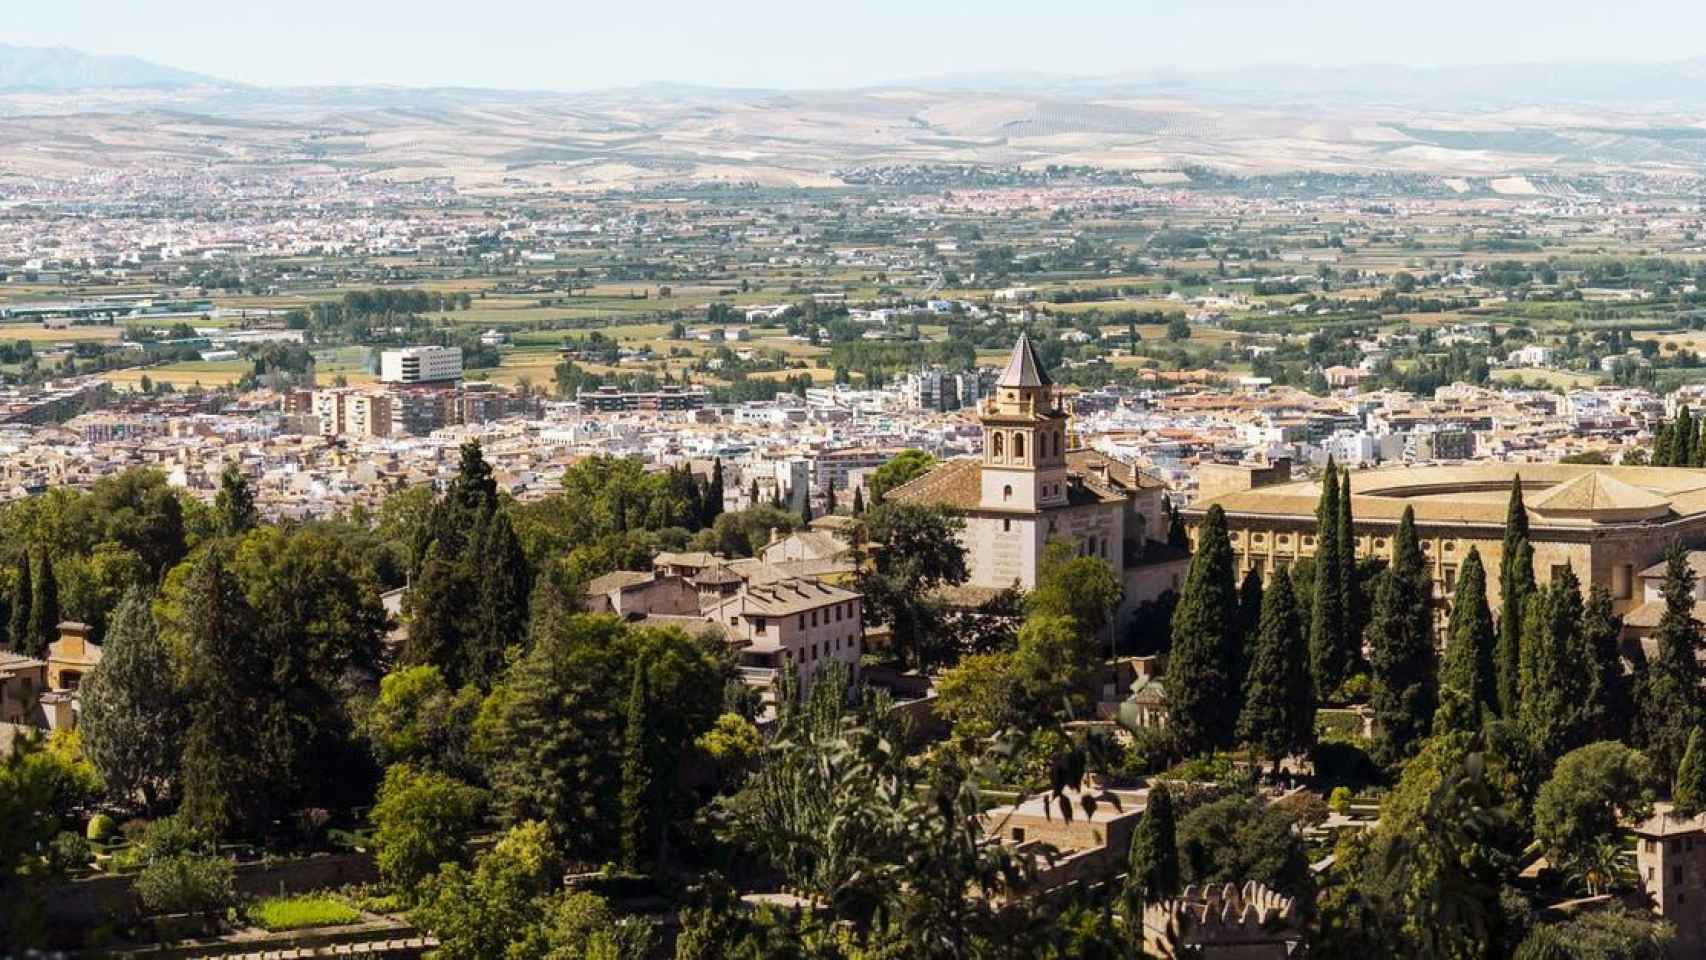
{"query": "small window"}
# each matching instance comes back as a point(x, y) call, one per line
point(814, 618)
point(1007, 492)
point(802, 621)
point(1006, 525)
point(997, 442)
point(1019, 447)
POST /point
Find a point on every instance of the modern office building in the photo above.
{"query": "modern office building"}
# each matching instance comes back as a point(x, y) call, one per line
point(421, 365)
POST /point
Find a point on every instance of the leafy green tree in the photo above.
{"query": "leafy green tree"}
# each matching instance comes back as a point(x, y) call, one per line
point(744, 533)
point(1554, 705)
point(1153, 874)
point(908, 465)
point(1612, 706)
point(234, 506)
point(91, 586)
point(480, 914)
point(1199, 691)
point(133, 718)
point(1613, 934)
point(1082, 589)
point(1689, 793)
point(1401, 650)
point(228, 767)
point(915, 551)
point(1470, 666)
point(417, 719)
point(552, 731)
point(44, 610)
point(1672, 703)
point(1332, 653)
point(1278, 719)
point(23, 596)
point(1593, 791)
point(1516, 582)
point(421, 820)
point(1234, 837)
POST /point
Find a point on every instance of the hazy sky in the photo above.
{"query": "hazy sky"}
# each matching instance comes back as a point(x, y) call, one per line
point(568, 45)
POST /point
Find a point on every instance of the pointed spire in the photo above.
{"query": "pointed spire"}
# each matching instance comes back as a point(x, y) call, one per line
point(1023, 367)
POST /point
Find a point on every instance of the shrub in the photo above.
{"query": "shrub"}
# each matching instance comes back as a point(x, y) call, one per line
point(422, 820)
point(1339, 801)
point(68, 852)
point(101, 828)
point(187, 884)
point(277, 914)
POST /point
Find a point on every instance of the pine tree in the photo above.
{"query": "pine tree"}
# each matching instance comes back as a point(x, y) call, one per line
point(1672, 703)
point(473, 489)
point(1331, 656)
point(858, 501)
point(713, 495)
point(1688, 795)
point(1554, 681)
point(1516, 582)
point(1204, 626)
point(1153, 875)
point(1401, 650)
point(640, 778)
point(1611, 705)
point(1278, 718)
point(23, 598)
point(1469, 665)
point(44, 610)
point(133, 716)
point(234, 507)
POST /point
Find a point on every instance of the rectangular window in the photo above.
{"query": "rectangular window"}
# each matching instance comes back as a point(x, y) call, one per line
point(802, 621)
point(1623, 581)
point(814, 618)
point(1450, 574)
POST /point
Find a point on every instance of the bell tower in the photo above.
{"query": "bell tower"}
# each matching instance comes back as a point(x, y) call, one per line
point(1024, 438)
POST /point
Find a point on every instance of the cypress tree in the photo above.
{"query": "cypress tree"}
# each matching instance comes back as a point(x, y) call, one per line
point(1469, 664)
point(829, 499)
point(752, 493)
point(858, 501)
point(1689, 793)
point(713, 495)
point(1204, 628)
point(806, 510)
point(133, 717)
point(1662, 444)
point(473, 489)
point(1401, 648)
point(1516, 582)
point(1682, 435)
point(23, 597)
point(1329, 657)
point(1699, 446)
point(640, 778)
point(225, 771)
point(234, 507)
point(1555, 681)
point(1153, 873)
point(1611, 706)
point(1249, 618)
point(1355, 616)
point(44, 610)
point(1672, 703)
point(501, 592)
point(1278, 718)
point(434, 607)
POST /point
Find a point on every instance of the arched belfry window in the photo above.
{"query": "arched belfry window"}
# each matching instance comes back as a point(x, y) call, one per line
point(1019, 447)
point(996, 440)
point(1057, 443)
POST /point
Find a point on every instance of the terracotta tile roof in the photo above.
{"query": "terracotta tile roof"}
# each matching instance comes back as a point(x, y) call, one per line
point(957, 483)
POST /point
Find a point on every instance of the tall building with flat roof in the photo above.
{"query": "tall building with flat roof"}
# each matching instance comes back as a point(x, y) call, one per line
point(421, 365)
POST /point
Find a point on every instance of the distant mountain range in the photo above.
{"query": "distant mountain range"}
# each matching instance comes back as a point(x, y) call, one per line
point(62, 69)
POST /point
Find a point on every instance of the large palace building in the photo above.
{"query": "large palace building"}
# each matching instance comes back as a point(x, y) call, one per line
point(1610, 525)
point(1031, 487)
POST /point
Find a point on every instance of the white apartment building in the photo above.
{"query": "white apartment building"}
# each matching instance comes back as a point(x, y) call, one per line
point(420, 364)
